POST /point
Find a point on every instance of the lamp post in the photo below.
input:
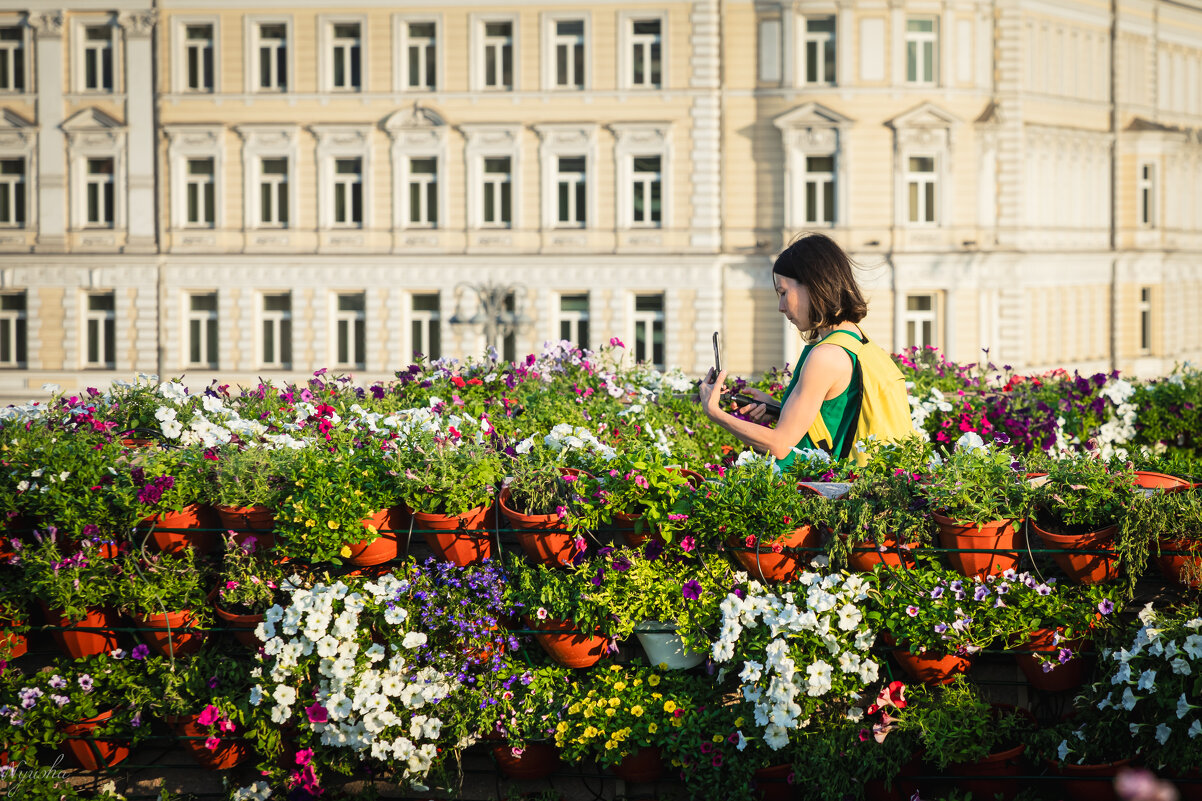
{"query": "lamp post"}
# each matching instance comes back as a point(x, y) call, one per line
point(497, 309)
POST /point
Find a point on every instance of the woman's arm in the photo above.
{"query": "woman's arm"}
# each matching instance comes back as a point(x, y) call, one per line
point(827, 367)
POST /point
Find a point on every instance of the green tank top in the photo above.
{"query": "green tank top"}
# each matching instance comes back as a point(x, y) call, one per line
point(839, 413)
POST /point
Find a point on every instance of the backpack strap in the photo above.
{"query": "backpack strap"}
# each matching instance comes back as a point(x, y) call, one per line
point(819, 433)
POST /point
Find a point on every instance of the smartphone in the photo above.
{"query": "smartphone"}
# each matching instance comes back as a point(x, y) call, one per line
point(713, 375)
point(771, 408)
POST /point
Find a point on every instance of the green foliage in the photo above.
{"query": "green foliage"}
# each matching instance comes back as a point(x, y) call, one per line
point(452, 480)
point(254, 476)
point(640, 482)
point(538, 486)
point(977, 486)
point(654, 589)
point(71, 585)
point(1080, 495)
point(955, 724)
point(249, 580)
point(547, 593)
point(159, 583)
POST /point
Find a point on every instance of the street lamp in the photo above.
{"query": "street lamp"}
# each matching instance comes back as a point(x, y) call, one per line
point(497, 309)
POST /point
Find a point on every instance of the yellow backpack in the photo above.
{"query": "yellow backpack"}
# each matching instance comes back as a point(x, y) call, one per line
point(884, 412)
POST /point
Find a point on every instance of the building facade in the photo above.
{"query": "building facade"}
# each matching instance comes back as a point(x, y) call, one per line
point(229, 191)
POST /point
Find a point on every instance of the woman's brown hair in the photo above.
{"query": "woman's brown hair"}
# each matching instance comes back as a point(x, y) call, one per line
point(816, 261)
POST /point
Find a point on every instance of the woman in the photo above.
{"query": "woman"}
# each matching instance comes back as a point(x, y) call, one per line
point(818, 294)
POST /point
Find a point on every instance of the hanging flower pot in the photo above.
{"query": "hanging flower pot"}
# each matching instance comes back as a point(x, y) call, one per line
point(929, 667)
point(459, 539)
point(13, 644)
point(77, 643)
point(538, 535)
point(775, 783)
point(1183, 568)
point(392, 524)
point(194, 519)
point(249, 521)
point(998, 773)
point(663, 646)
point(865, 556)
point(998, 536)
point(566, 645)
point(1089, 782)
point(89, 753)
point(1084, 568)
point(1063, 676)
point(771, 562)
point(533, 761)
point(229, 751)
point(242, 626)
point(627, 525)
point(1146, 479)
point(169, 633)
point(643, 766)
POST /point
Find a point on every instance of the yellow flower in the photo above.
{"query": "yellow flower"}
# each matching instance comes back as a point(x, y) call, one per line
point(620, 686)
point(637, 711)
point(345, 552)
point(615, 702)
point(636, 683)
point(677, 721)
point(358, 492)
point(669, 706)
point(562, 727)
point(652, 728)
point(591, 732)
point(739, 723)
point(610, 745)
point(332, 525)
point(653, 680)
point(610, 712)
point(574, 709)
point(615, 668)
point(310, 523)
point(371, 529)
point(718, 738)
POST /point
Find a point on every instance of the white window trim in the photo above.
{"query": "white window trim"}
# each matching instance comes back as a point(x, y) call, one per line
point(642, 139)
point(1144, 315)
point(250, 55)
point(636, 316)
point(1149, 209)
point(335, 142)
point(937, 57)
point(262, 316)
point(919, 317)
point(20, 21)
point(355, 318)
point(803, 180)
point(923, 131)
point(574, 318)
point(265, 142)
point(487, 141)
point(417, 133)
point(427, 318)
point(86, 316)
point(626, 21)
point(78, 37)
point(567, 140)
point(937, 177)
point(207, 318)
point(85, 142)
point(18, 140)
point(400, 64)
point(549, 60)
point(806, 37)
point(10, 317)
point(179, 59)
point(477, 22)
point(195, 142)
point(813, 130)
point(325, 52)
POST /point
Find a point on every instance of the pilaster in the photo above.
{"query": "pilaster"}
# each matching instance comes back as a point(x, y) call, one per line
point(52, 144)
point(140, 124)
point(706, 115)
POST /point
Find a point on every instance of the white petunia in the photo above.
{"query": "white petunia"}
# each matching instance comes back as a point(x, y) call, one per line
point(1195, 729)
point(1147, 680)
point(1162, 733)
point(413, 639)
point(284, 695)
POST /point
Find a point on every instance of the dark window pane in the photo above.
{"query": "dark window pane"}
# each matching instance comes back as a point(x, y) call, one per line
point(563, 201)
point(110, 341)
point(268, 341)
point(344, 343)
point(828, 201)
point(505, 204)
point(582, 329)
point(434, 349)
point(93, 341)
point(430, 66)
point(432, 202)
point(286, 342)
point(580, 204)
point(194, 330)
point(651, 303)
point(360, 341)
point(428, 302)
point(415, 193)
point(211, 330)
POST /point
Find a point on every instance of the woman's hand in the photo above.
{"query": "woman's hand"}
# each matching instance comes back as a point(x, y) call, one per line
point(711, 394)
point(755, 411)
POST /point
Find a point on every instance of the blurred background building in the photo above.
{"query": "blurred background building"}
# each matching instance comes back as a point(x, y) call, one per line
point(232, 189)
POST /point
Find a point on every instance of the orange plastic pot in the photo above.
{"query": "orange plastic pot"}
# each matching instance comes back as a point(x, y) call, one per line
point(230, 751)
point(998, 774)
point(549, 547)
point(1089, 782)
point(78, 644)
point(565, 645)
point(928, 667)
point(643, 766)
point(89, 753)
point(866, 556)
point(765, 564)
point(1146, 479)
point(243, 626)
point(775, 783)
point(534, 761)
point(13, 644)
point(1062, 677)
point(1084, 568)
point(998, 536)
point(392, 525)
point(193, 518)
point(456, 538)
point(168, 633)
point(1183, 568)
point(247, 522)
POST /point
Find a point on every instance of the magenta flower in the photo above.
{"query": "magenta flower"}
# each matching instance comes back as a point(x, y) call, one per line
point(209, 716)
point(304, 756)
point(691, 589)
point(317, 713)
point(615, 342)
point(687, 543)
point(211, 743)
point(912, 610)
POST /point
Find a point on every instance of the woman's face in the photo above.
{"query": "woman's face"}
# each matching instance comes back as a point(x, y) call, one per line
point(794, 301)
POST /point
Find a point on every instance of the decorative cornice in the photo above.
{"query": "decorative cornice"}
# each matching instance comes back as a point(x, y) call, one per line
point(48, 24)
point(137, 23)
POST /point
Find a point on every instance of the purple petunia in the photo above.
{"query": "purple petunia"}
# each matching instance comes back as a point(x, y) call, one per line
point(1106, 606)
point(85, 683)
point(691, 589)
point(940, 628)
point(621, 564)
point(981, 593)
point(937, 593)
point(140, 652)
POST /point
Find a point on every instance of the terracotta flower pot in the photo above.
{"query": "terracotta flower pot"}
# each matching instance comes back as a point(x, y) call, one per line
point(866, 556)
point(627, 526)
point(643, 766)
point(1146, 479)
point(1082, 781)
point(392, 524)
point(78, 644)
point(549, 547)
point(995, 772)
point(230, 752)
point(534, 761)
point(193, 518)
point(1183, 568)
point(88, 753)
point(1062, 677)
point(168, 633)
point(775, 783)
point(456, 538)
point(243, 626)
point(766, 565)
point(1084, 568)
point(567, 646)
point(999, 536)
point(249, 521)
point(929, 667)
point(13, 644)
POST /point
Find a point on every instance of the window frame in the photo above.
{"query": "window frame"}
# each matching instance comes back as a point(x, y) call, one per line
point(336, 142)
point(179, 78)
point(823, 40)
point(626, 36)
point(325, 52)
point(264, 142)
point(251, 60)
point(424, 318)
point(209, 324)
point(573, 318)
point(805, 182)
point(640, 140)
point(1147, 207)
point(490, 141)
point(17, 323)
point(919, 318)
point(17, 191)
point(106, 328)
point(638, 318)
point(921, 39)
point(424, 192)
point(278, 318)
point(417, 135)
point(356, 327)
point(567, 141)
point(478, 59)
point(79, 29)
point(262, 179)
point(401, 36)
point(24, 48)
point(550, 55)
point(209, 220)
point(110, 204)
point(935, 180)
point(185, 143)
point(1144, 313)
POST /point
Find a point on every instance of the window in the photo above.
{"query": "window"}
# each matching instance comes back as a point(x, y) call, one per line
point(423, 192)
point(920, 321)
point(277, 331)
point(12, 329)
point(921, 181)
point(649, 329)
point(646, 53)
point(922, 37)
point(348, 192)
point(345, 58)
point(420, 53)
point(570, 185)
point(272, 57)
point(1145, 319)
point(497, 193)
point(12, 59)
point(820, 50)
point(12, 193)
point(573, 319)
point(198, 58)
point(100, 331)
point(646, 189)
point(98, 58)
point(820, 189)
point(569, 54)
point(427, 330)
point(98, 190)
point(498, 55)
point(273, 192)
point(202, 330)
point(350, 335)
point(199, 192)
point(1147, 195)
point(509, 343)
point(770, 50)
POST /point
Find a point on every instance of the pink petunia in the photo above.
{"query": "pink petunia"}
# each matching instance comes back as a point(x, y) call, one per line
point(209, 716)
point(317, 713)
point(211, 743)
